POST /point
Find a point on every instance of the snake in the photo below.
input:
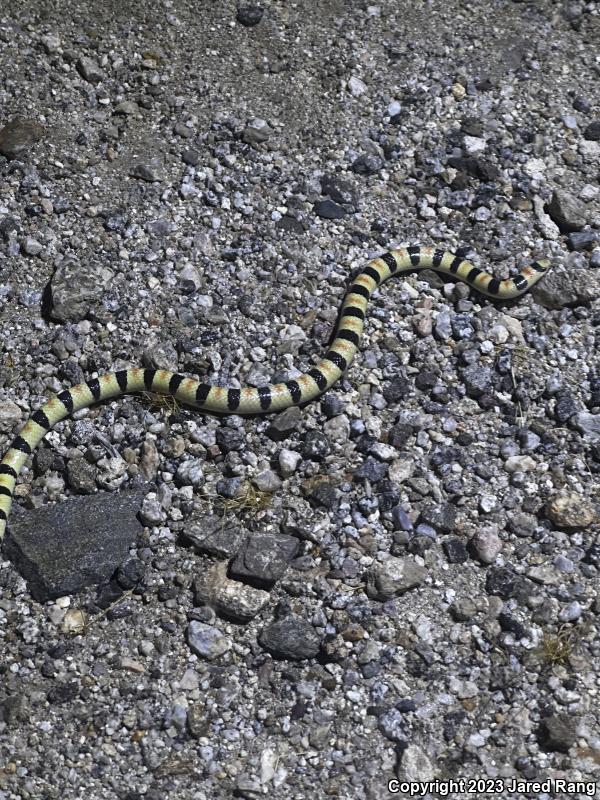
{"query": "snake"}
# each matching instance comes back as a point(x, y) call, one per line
point(272, 397)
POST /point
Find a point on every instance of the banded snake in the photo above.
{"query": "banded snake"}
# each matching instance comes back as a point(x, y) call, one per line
point(265, 399)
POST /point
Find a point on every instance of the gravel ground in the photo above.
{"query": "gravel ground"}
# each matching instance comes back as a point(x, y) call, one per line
point(399, 582)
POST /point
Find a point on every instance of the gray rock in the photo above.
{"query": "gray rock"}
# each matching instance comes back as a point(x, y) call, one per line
point(19, 135)
point(394, 577)
point(290, 637)
point(264, 557)
point(393, 726)
point(89, 69)
point(588, 424)
point(415, 765)
point(582, 240)
point(477, 379)
point(76, 288)
point(214, 535)
point(206, 641)
point(567, 211)
point(267, 481)
point(486, 545)
point(149, 171)
point(126, 108)
point(10, 415)
point(574, 288)
point(231, 599)
point(61, 549)
point(81, 475)
point(257, 131)
point(463, 609)
point(284, 424)
point(558, 732)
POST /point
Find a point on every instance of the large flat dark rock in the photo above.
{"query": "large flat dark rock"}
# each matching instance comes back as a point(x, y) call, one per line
point(61, 549)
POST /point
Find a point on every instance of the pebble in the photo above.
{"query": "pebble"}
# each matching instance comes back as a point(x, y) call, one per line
point(519, 464)
point(567, 211)
point(327, 209)
point(249, 15)
point(89, 69)
point(486, 545)
point(394, 577)
point(570, 510)
point(257, 131)
point(207, 641)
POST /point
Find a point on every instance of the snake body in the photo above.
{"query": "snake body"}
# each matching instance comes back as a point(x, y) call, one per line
point(265, 399)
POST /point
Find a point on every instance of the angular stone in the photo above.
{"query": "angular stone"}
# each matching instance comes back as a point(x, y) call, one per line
point(394, 577)
point(89, 70)
point(559, 289)
point(213, 535)
point(265, 557)
point(558, 732)
point(327, 209)
point(567, 211)
point(63, 548)
point(290, 637)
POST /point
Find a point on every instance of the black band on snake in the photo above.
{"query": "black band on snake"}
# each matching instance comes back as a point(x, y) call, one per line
point(265, 399)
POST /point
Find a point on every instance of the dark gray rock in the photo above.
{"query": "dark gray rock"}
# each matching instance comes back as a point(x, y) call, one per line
point(567, 211)
point(558, 732)
point(61, 549)
point(284, 424)
point(456, 550)
point(323, 493)
point(327, 209)
point(566, 406)
point(592, 132)
point(77, 288)
point(18, 135)
point(249, 15)
point(442, 517)
point(214, 535)
point(290, 637)
point(582, 240)
point(477, 380)
point(264, 558)
point(501, 581)
point(371, 470)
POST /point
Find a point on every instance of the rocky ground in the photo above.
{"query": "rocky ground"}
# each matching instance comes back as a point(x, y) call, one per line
point(401, 581)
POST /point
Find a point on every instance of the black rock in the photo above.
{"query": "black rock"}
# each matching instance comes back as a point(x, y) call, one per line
point(456, 551)
point(501, 581)
point(327, 209)
point(592, 132)
point(290, 637)
point(249, 15)
point(582, 240)
point(63, 548)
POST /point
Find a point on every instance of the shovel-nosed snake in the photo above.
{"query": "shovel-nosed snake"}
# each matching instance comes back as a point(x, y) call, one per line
point(264, 399)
